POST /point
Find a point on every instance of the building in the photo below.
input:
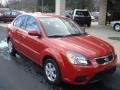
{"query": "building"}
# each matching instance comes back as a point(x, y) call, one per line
point(109, 11)
point(109, 8)
point(114, 8)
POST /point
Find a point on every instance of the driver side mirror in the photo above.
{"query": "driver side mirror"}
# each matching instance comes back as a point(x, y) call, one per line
point(33, 33)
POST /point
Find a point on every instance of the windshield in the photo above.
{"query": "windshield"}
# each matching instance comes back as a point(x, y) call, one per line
point(60, 27)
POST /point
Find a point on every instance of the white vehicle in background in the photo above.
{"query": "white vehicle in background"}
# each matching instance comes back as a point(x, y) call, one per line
point(116, 25)
point(92, 18)
point(80, 16)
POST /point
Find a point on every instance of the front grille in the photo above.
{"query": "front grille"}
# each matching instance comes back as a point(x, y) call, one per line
point(99, 76)
point(105, 59)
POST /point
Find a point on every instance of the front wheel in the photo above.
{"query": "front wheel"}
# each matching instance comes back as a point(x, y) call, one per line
point(116, 27)
point(11, 48)
point(52, 72)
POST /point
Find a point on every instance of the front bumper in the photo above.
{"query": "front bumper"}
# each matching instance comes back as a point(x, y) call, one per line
point(99, 76)
point(79, 75)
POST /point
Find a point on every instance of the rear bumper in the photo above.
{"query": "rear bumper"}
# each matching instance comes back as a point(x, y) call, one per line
point(83, 20)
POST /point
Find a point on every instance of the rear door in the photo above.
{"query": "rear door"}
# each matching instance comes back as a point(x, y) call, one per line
point(16, 29)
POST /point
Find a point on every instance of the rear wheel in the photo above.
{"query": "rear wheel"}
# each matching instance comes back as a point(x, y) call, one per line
point(116, 27)
point(11, 48)
point(52, 72)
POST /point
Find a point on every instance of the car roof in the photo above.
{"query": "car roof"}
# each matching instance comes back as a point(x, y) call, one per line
point(39, 14)
point(80, 9)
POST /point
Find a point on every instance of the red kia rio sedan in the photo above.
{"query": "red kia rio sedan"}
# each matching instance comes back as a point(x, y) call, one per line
point(65, 52)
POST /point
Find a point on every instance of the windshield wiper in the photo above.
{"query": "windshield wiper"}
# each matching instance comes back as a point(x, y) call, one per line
point(78, 34)
point(57, 36)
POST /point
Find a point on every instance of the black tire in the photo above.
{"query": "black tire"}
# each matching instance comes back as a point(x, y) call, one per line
point(116, 27)
point(11, 48)
point(89, 24)
point(56, 80)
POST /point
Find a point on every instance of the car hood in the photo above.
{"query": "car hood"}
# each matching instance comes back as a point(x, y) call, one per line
point(86, 45)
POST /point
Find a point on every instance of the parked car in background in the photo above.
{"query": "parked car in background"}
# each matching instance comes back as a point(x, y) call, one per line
point(63, 50)
point(116, 25)
point(92, 18)
point(80, 16)
point(9, 15)
point(95, 15)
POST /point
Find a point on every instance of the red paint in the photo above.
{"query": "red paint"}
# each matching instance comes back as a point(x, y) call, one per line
point(37, 47)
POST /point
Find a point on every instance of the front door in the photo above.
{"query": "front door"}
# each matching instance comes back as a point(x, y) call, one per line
point(32, 44)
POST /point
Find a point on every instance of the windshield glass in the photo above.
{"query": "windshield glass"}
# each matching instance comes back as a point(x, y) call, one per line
point(60, 27)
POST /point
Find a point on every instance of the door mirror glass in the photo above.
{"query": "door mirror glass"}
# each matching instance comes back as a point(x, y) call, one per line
point(33, 33)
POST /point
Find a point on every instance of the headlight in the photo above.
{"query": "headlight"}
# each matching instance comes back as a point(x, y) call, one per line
point(76, 58)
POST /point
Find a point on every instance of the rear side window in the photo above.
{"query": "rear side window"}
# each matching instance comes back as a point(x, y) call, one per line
point(20, 22)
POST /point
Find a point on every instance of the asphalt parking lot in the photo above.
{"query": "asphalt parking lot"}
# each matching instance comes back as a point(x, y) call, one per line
point(19, 73)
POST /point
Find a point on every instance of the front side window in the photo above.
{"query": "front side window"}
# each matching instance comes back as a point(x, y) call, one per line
point(60, 27)
point(31, 24)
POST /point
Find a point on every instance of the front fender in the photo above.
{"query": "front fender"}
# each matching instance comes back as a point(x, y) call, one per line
point(55, 54)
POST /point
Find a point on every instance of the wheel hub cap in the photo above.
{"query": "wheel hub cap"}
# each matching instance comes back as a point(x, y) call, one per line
point(117, 27)
point(50, 71)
